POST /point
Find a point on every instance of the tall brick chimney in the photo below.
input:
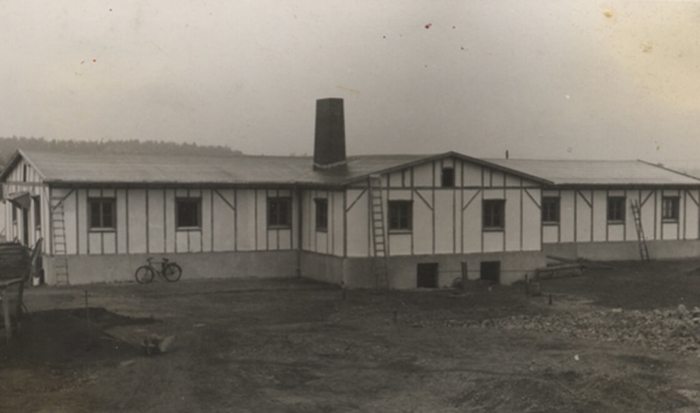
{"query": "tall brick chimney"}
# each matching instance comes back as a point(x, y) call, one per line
point(329, 144)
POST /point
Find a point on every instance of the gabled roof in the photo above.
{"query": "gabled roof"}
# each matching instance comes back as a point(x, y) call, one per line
point(240, 170)
point(599, 173)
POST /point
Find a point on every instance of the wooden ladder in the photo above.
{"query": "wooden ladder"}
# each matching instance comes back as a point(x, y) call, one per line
point(59, 242)
point(381, 271)
point(636, 213)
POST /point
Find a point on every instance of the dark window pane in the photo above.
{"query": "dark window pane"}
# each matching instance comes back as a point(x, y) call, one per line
point(616, 209)
point(400, 215)
point(279, 212)
point(321, 214)
point(107, 217)
point(670, 208)
point(188, 213)
point(448, 177)
point(102, 213)
point(493, 214)
point(37, 212)
point(550, 210)
point(272, 212)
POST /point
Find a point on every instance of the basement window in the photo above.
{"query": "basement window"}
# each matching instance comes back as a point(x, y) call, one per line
point(550, 210)
point(279, 212)
point(188, 213)
point(669, 208)
point(448, 177)
point(400, 215)
point(616, 209)
point(494, 214)
point(101, 214)
point(321, 215)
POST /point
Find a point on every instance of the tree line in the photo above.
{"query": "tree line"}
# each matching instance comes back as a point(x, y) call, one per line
point(8, 146)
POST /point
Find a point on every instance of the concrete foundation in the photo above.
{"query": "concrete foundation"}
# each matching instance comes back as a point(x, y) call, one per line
point(359, 272)
point(85, 269)
point(625, 251)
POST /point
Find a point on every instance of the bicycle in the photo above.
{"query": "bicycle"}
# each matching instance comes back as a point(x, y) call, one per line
point(168, 270)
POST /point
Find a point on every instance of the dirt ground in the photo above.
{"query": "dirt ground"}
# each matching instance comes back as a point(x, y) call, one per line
point(613, 340)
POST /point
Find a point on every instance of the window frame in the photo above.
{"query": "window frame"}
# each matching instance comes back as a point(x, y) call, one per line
point(102, 201)
point(451, 184)
point(488, 212)
point(321, 214)
point(675, 208)
point(556, 201)
point(623, 202)
point(198, 203)
point(394, 207)
point(280, 201)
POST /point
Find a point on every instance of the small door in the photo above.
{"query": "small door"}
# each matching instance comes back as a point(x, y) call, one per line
point(25, 226)
point(427, 275)
point(491, 271)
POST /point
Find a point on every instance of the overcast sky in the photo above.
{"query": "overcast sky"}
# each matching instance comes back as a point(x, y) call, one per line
point(560, 79)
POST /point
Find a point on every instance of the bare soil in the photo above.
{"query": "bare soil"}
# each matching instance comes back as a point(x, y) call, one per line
point(612, 341)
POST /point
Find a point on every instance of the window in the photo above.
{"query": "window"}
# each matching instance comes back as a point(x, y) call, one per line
point(448, 177)
point(494, 214)
point(101, 213)
point(669, 208)
point(550, 210)
point(321, 214)
point(24, 173)
point(400, 215)
point(279, 212)
point(14, 214)
point(189, 213)
point(616, 208)
point(37, 212)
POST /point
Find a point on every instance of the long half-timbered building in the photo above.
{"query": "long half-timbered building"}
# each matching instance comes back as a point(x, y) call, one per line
point(397, 221)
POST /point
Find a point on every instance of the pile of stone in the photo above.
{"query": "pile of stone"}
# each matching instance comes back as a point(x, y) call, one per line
point(670, 330)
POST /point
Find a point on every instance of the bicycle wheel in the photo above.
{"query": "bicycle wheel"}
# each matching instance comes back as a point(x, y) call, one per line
point(144, 274)
point(172, 272)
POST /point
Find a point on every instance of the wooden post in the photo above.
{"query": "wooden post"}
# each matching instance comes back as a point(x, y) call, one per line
point(465, 275)
point(87, 317)
point(527, 285)
point(6, 314)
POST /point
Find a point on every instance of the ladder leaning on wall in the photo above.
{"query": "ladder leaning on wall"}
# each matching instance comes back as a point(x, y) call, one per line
point(58, 231)
point(636, 213)
point(381, 272)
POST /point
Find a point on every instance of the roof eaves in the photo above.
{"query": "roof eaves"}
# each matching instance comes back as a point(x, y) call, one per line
point(622, 186)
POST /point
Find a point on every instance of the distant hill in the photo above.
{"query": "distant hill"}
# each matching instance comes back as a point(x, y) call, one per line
point(8, 146)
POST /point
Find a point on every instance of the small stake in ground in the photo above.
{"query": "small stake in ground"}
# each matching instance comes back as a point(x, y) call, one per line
point(527, 286)
point(87, 318)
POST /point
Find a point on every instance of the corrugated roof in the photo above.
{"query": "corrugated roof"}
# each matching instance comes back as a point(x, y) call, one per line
point(602, 173)
point(253, 170)
point(289, 170)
